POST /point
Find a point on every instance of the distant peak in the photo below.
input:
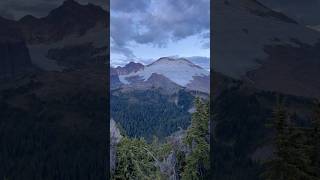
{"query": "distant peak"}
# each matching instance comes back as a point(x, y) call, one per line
point(130, 67)
point(74, 3)
point(133, 63)
point(28, 18)
point(66, 2)
point(135, 66)
point(174, 60)
point(71, 4)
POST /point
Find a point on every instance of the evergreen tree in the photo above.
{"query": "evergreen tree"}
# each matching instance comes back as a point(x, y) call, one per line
point(135, 161)
point(291, 161)
point(197, 138)
point(315, 140)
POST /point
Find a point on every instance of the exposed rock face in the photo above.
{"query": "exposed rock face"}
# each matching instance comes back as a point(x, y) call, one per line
point(70, 18)
point(114, 79)
point(200, 83)
point(168, 166)
point(53, 42)
point(115, 138)
point(265, 48)
point(290, 69)
point(156, 81)
point(132, 67)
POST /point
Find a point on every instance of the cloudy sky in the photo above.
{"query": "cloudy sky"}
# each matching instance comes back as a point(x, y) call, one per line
point(145, 30)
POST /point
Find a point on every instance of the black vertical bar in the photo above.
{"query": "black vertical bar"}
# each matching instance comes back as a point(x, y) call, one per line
point(108, 94)
point(212, 87)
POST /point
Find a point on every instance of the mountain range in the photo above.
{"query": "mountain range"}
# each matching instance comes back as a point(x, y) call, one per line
point(165, 87)
point(45, 41)
point(167, 73)
point(55, 63)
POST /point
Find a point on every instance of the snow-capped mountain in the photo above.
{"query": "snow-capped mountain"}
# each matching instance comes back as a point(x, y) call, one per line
point(53, 43)
point(77, 20)
point(264, 47)
point(180, 71)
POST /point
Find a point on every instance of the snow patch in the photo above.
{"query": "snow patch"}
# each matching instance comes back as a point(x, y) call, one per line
point(240, 37)
point(38, 52)
point(180, 71)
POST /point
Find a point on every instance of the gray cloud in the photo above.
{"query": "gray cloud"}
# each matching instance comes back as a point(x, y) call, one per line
point(129, 5)
point(205, 40)
point(175, 20)
point(158, 22)
point(5, 13)
point(122, 50)
point(122, 30)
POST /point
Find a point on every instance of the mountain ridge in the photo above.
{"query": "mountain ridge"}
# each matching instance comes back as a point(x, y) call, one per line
point(259, 40)
point(70, 17)
point(179, 71)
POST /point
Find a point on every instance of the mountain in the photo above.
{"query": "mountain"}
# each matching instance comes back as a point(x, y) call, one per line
point(306, 13)
point(156, 99)
point(54, 41)
point(56, 109)
point(70, 18)
point(259, 56)
point(168, 73)
point(15, 58)
point(132, 67)
point(265, 48)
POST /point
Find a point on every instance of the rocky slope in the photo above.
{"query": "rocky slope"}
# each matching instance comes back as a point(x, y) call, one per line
point(70, 18)
point(260, 54)
point(265, 48)
point(53, 42)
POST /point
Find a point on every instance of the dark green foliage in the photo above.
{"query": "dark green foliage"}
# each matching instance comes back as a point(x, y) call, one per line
point(239, 130)
point(315, 140)
point(161, 150)
point(185, 100)
point(291, 159)
point(58, 137)
point(136, 160)
point(148, 113)
point(197, 139)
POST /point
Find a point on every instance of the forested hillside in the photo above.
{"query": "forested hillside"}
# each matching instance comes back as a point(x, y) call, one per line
point(183, 157)
point(151, 113)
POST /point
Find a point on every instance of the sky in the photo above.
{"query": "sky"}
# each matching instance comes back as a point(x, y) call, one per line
point(146, 30)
